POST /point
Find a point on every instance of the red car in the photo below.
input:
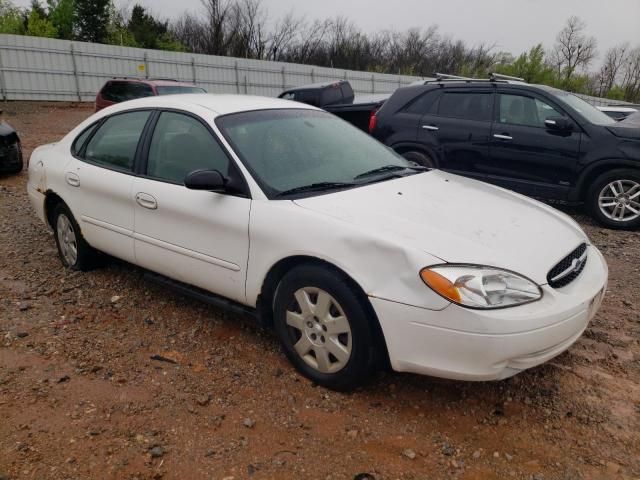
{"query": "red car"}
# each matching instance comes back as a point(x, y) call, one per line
point(119, 90)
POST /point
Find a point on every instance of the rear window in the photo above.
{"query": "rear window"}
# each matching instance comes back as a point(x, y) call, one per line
point(466, 105)
point(123, 91)
point(178, 89)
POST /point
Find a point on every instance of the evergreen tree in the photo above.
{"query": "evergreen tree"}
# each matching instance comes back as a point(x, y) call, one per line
point(92, 20)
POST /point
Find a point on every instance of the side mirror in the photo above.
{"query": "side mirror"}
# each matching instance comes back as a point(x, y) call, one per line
point(558, 123)
point(210, 180)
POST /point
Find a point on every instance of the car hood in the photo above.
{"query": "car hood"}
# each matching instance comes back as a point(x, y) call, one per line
point(628, 130)
point(458, 220)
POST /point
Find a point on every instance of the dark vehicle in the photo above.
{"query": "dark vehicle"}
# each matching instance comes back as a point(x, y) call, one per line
point(537, 140)
point(337, 97)
point(632, 120)
point(122, 89)
point(618, 113)
point(10, 149)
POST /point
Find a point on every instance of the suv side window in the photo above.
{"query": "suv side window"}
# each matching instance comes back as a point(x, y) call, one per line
point(115, 142)
point(426, 103)
point(306, 96)
point(180, 145)
point(523, 110)
point(466, 105)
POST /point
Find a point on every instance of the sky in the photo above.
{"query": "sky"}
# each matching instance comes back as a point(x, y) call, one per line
point(512, 25)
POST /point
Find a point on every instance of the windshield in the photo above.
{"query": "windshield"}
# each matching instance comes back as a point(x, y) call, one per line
point(588, 111)
point(294, 148)
point(176, 89)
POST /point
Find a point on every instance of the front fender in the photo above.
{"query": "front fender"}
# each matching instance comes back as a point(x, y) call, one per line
point(381, 267)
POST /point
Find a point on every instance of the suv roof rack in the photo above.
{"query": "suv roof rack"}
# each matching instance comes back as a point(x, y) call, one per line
point(493, 77)
point(163, 79)
point(499, 76)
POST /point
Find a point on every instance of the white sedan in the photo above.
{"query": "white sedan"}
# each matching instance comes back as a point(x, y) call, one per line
point(355, 256)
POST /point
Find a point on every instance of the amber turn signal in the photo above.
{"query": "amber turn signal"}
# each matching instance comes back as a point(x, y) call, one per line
point(440, 285)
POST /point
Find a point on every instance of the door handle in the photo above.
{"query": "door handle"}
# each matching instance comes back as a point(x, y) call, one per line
point(431, 128)
point(502, 137)
point(147, 201)
point(72, 179)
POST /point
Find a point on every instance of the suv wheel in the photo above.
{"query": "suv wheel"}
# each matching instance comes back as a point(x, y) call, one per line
point(74, 251)
point(420, 159)
point(614, 199)
point(324, 328)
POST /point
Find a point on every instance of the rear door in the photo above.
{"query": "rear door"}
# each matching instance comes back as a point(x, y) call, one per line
point(527, 157)
point(460, 128)
point(100, 179)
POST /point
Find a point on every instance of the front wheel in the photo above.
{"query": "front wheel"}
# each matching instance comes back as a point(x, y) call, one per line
point(614, 199)
point(324, 328)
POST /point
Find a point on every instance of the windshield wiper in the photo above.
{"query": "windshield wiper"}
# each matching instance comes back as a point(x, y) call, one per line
point(316, 187)
point(389, 168)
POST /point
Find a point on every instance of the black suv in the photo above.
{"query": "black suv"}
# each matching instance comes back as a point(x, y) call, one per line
point(537, 140)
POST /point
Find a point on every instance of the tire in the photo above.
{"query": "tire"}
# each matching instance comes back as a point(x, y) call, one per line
point(419, 158)
point(336, 350)
point(74, 251)
point(614, 197)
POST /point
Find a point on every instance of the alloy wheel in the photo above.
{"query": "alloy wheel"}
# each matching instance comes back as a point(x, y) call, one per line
point(620, 200)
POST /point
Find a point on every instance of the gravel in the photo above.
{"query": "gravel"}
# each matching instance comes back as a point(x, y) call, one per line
point(131, 370)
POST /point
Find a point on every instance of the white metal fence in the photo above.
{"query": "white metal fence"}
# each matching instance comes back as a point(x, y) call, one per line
point(33, 68)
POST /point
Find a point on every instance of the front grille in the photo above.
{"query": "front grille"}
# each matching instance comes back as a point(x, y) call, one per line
point(568, 269)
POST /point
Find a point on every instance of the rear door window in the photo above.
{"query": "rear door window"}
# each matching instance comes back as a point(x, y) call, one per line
point(115, 142)
point(466, 105)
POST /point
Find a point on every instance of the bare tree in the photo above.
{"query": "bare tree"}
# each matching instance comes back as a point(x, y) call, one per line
point(573, 50)
point(631, 76)
point(614, 59)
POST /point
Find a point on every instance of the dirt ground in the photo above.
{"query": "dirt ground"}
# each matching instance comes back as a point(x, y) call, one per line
point(81, 397)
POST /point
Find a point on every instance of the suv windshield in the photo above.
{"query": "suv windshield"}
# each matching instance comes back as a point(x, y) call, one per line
point(588, 111)
point(176, 89)
point(290, 149)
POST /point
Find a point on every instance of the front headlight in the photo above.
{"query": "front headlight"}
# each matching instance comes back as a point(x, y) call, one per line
point(476, 286)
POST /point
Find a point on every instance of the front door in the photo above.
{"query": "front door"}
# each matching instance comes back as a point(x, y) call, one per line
point(197, 237)
point(525, 155)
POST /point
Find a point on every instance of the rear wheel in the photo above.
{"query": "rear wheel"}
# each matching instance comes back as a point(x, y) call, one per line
point(324, 328)
point(614, 199)
point(74, 251)
point(420, 159)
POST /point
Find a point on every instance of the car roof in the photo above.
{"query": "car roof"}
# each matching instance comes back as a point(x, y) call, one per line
point(159, 82)
point(221, 104)
point(330, 83)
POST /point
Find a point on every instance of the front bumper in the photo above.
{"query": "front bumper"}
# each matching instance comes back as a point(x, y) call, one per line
point(11, 158)
point(465, 344)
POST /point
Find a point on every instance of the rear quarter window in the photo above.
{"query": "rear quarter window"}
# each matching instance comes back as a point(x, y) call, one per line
point(78, 143)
